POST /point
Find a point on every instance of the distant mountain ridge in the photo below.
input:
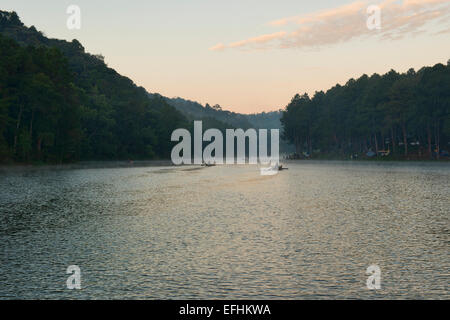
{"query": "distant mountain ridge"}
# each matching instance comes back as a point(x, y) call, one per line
point(195, 110)
point(222, 119)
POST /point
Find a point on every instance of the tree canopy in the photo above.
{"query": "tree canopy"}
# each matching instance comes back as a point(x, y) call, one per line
point(59, 104)
point(396, 113)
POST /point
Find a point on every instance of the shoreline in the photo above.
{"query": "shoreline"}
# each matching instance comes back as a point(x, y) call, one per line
point(380, 160)
point(370, 162)
point(87, 165)
point(168, 163)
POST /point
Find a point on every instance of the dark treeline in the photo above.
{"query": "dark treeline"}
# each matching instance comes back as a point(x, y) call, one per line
point(39, 109)
point(61, 104)
point(403, 115)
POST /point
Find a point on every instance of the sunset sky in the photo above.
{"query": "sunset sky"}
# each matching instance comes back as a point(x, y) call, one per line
point(248, 55)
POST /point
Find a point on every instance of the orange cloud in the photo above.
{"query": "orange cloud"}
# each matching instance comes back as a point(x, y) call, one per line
point(344, 23)
point(218, 47)
point(339, 12)
point(256, 42)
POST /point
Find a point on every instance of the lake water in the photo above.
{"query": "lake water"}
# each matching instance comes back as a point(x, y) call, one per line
point(227, 232)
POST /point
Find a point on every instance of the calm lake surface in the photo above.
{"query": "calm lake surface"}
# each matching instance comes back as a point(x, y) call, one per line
point(227, 232)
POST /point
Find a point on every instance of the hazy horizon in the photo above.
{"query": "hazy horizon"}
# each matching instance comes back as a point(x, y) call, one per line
point(250, 56)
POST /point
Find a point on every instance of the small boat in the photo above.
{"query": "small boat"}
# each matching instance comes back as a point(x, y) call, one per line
point(272, 170)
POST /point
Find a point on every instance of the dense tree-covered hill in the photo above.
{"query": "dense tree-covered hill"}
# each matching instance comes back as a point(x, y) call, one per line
point(195, 111)
point(266, 120)
point(59, 103)
point(403, 114)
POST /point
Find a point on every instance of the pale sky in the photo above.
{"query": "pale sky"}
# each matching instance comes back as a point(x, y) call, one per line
point(248, 55)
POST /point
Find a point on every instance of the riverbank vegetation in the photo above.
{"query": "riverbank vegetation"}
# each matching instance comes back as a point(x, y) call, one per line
point(394, 116)
point(61, 104)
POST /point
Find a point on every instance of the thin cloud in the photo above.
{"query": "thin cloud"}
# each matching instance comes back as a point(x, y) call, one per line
point(218, 47)
point(256, 42)
point(339, 12)
point(347, 22)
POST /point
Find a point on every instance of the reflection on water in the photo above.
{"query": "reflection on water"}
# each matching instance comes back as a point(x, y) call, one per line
point(227, 232)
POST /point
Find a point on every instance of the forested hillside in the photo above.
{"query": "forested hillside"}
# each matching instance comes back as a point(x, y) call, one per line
point(216, 117)
point(59, 104)
point(397, 114)
point(195, 111)
point(265, 120)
